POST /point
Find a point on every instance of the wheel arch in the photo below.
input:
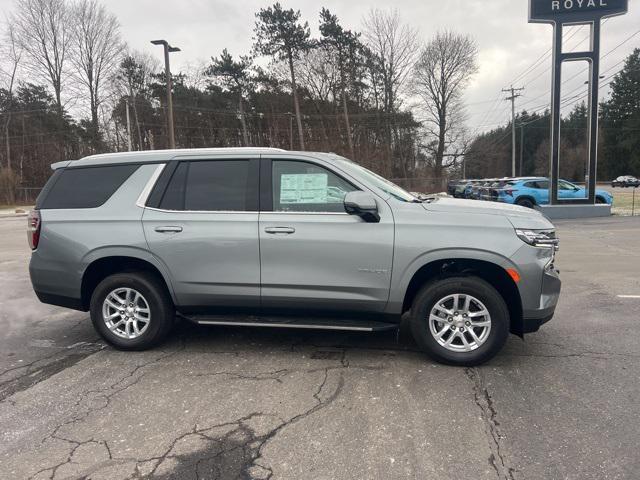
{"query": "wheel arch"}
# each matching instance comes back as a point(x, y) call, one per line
point(101, 266)
point(490, 271)
point(525, 197)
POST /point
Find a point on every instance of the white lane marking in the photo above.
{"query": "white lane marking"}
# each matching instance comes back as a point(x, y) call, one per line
point(628, 296)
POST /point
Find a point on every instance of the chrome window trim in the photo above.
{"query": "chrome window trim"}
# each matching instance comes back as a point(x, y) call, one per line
point(230, 212)
point(146, 191)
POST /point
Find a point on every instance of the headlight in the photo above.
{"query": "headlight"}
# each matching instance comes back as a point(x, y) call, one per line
point(539, 238)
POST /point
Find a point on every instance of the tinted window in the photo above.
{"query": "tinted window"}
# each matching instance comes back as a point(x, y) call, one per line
point(88, 187)
point(541, 185)
point(216, 185)
point(173, 198)
point(304, 187)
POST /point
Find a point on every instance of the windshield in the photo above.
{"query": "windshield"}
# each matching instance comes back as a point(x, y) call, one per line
point(380, 182)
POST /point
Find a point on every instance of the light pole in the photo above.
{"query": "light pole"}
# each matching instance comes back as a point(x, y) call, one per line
point(167, 50)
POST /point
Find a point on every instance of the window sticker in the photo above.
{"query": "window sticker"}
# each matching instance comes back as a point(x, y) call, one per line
point(306, 188)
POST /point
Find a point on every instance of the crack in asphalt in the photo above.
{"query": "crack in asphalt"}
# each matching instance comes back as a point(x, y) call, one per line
point(237, 452)
point(483, 400)
point(44, 368)
point(106, 394)
point(273, 375)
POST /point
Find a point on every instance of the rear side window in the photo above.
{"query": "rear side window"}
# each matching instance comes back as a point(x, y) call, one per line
point(210, 186)
point(88, 187)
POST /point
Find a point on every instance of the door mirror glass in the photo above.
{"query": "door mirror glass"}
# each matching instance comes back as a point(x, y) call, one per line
point(362, 204)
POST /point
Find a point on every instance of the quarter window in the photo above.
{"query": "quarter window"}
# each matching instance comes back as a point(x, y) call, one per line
point(86, 187)
point(305, 187)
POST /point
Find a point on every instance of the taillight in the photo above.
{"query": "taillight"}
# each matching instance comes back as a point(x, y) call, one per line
point(33, 229)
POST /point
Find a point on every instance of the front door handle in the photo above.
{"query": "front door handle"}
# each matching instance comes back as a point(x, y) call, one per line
point(168, 229)
point(280, 230)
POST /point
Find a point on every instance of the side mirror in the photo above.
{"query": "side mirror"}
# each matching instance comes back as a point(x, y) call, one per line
point(362, 204)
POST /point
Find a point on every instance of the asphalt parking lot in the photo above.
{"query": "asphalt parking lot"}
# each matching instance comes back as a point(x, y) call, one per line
point(231, 403)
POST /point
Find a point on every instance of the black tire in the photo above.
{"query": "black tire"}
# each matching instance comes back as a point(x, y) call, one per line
point(525, 202)
point(600, 201)
point(480, 289)
point(162, 311)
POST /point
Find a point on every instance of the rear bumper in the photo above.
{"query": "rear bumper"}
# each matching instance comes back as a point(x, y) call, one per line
point(60, 301)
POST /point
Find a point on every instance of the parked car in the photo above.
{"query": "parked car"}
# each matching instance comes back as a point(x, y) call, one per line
point(492, 194)
point(484, 192)
point(254, 237)
point(468, 189)
point(626, 181)
point(474, 194)
point(452, 185)
point(529, 192)
point(460, 189)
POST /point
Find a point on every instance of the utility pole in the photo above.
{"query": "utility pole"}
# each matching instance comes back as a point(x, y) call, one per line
point(128, 126)
point(512, 99)
point(167, 50)
point(521, 148)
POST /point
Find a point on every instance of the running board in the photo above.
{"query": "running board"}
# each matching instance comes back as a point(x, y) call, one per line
point(350, 325)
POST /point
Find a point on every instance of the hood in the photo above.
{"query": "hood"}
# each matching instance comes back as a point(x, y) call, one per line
point(520, 217)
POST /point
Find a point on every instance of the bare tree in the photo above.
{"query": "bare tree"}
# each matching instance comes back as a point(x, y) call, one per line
point(132, 81)
point(12, 55)
point(394, 45)
point(97, 48)
point(442, 72)
point(321, 78)
point(43, 31)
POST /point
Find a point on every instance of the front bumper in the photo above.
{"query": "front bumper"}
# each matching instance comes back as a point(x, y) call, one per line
point(534, 318)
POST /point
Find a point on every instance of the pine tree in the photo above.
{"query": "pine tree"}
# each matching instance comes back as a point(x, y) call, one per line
point(279, 33)
point(621, 122)
point(235, 76)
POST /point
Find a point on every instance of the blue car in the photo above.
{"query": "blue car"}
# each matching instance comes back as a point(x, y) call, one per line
point(529, 192)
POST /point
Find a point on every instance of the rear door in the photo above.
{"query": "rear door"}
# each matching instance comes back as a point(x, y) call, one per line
point(315, 256)
point(203, 226)
point(540, 191)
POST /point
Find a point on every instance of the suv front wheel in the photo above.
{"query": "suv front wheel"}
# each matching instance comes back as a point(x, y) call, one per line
point(131, 311)
point(460, 321)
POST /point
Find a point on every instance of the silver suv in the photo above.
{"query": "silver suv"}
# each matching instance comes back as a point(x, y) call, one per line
point(270, 238)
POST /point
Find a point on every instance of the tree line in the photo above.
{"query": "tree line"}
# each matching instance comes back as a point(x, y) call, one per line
point(489, 154)
point(71, 87)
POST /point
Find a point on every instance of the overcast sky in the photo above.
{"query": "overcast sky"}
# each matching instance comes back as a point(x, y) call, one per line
point(508, 44)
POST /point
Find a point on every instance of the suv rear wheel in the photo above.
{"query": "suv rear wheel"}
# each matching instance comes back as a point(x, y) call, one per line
point(131, 311)
point(460, 321)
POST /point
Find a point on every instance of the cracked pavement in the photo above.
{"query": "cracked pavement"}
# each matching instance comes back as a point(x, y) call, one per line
point(226, 403)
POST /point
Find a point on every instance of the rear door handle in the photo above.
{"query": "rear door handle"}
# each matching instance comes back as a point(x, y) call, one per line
point(168, 229)
point(280, 230)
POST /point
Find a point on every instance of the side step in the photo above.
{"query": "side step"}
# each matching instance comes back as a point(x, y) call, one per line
point(308, 323)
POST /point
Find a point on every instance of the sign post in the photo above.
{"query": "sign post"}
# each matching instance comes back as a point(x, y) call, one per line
point(561, 13)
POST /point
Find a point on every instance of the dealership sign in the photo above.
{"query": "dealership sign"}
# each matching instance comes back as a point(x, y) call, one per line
point(563, 13)
point(566, 11)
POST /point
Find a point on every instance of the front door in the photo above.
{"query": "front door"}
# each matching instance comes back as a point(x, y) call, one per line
point(314, 256)
point(205, 231)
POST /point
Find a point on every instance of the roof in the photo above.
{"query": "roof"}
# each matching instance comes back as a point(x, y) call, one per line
point(153, 156)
